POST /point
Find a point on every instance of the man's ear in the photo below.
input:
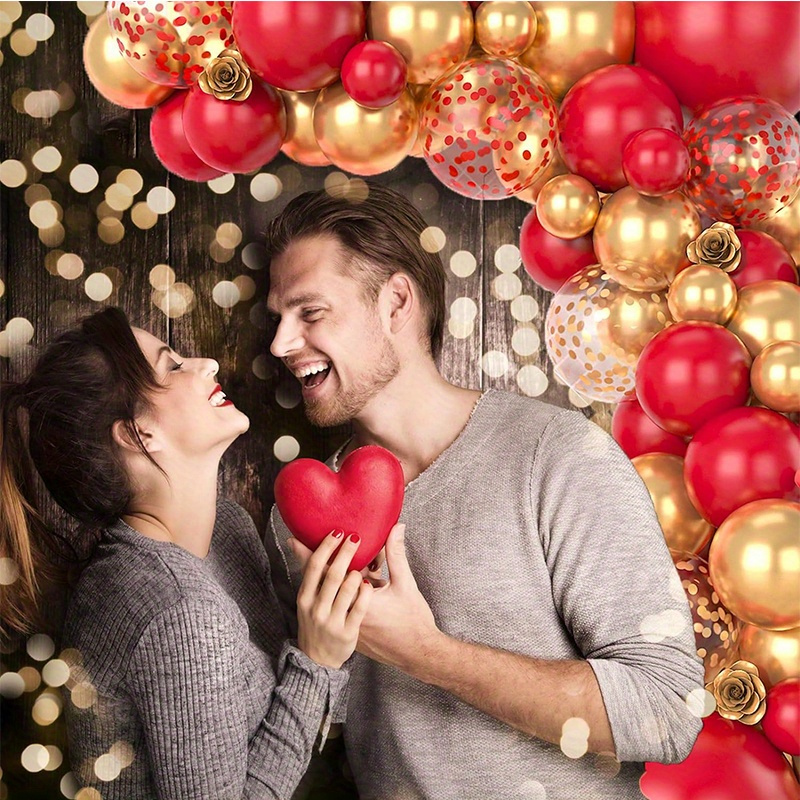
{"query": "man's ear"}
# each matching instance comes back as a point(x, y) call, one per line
point(400, 297)
point(128, 435)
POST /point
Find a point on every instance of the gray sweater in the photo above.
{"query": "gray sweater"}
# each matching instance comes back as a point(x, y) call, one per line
point(531, 533)
point(183, 684)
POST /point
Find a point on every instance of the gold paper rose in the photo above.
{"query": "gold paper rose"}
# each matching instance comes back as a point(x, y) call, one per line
point(739, 693)
point(718, 246)
point(227, 77)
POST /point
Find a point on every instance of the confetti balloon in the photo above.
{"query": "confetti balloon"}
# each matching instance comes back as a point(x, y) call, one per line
point(775, 653)
point(489, 128)
point(745, 159)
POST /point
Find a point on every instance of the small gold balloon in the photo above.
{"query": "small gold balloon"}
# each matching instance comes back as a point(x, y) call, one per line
point(785, 227)
point(775, 376)
point(568, 206)
point(754, 563)
point(555, 167)
point(775, 653)
point(300, 143)
point(702, 292)
point(641, 241)
point(111, 74)
point(362, 140)
point(767, 312)
point(431, 36)
point(684, 529)
point(505, 28)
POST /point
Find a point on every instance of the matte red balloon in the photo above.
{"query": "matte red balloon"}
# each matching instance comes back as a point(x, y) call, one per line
point(781, 723)
point(655, 162)
point(235, 136)
point(170, 144)
point(297, 46)
point(637, 434)
point(374, 74)
point(729, 761)
point(689, 373)
point(763, 259)
point(549, 260)
point(602, 110)
point(743, 455)
point(706, 51)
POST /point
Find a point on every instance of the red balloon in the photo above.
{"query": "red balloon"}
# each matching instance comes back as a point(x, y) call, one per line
point(602, 110)
point(743, 455)
point(781, 723)
point(170, 145)
point(706, 51)
point(729, 761)
point(297, 46)
point(549, 260)
point(374, 74)
point(690, 372)
point(232, 135)
point(637, 434)
point(655, 161)
point(763, 259)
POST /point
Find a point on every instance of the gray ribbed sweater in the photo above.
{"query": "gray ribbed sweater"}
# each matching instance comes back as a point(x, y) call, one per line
point(195, 683)
point(531, 533)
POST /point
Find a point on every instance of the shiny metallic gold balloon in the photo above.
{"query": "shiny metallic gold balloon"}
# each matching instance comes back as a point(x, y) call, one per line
point(767, 312)
point(431, 36)
point(575, 38)
point(568, 206)
point(785, 227)
point(362, 140)
point(505, 29)
point(775, 653)
point(754, 563)
point(685, 531)
point(300, 143)
point(775, 376)
point(555, 167)
point(702, 292)
point(419, 92)
point(111, 74)
point(641, 241)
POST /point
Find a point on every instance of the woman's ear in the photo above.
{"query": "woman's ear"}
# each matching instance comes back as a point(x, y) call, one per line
point(401, 300)
point(128, 435)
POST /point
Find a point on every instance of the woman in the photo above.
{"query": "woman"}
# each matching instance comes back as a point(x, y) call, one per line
point(187, 687)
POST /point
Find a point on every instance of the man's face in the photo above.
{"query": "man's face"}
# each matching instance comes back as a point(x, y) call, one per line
point(329, 336)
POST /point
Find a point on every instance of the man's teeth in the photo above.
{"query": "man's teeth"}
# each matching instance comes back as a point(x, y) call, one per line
point(312, 369)
point(217, 399)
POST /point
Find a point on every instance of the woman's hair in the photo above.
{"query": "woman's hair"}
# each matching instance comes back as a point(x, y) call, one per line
point(85, 380)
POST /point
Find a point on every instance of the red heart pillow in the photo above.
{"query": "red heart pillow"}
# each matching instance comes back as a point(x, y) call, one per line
point(364, 497)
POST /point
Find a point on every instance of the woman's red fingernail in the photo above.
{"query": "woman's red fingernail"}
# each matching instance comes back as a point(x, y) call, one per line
point(338, 534)
point(366, 581)
point(355, 538)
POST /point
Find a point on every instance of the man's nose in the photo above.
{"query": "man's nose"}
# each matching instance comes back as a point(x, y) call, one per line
point(288, 338)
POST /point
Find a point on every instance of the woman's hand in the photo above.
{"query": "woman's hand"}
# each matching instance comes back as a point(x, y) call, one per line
point(332, 602)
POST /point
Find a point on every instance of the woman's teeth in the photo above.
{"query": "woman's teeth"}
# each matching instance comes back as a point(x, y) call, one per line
point(217, 399)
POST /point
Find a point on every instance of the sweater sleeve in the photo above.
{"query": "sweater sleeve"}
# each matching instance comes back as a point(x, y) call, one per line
point(186, 681)
point(616, 588)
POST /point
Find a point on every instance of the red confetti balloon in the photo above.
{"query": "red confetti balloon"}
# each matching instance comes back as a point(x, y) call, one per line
point(637, 434)
point(550, 260)
point(655, 162)
point(170, 144)
point(297, 46)
point(743, 455)
point(763, 258)
point(689, 373)
point(602, 110)
point(232, 135)
point(374, 74)
point(781, 723)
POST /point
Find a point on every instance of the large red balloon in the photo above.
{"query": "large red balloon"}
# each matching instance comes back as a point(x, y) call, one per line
point(170, 145)
point(297, 46)
point(689, 373)
point(729, 761)
point(374, 74)
point(602, 110)
point(706, 51)
point(781, 723)
point(235, 136)
point(637, 434)
point(655, 162)
point(763, 259)
point(743, 455)
point(550, 260)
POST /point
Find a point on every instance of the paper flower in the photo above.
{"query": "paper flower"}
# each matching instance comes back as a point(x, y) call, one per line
point(718, 246)
point(227, 77)
point(739, 693)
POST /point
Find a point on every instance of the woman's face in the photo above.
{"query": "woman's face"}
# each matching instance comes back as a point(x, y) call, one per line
point(191, 416)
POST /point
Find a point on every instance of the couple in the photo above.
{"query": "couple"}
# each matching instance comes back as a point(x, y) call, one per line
point(531, 608)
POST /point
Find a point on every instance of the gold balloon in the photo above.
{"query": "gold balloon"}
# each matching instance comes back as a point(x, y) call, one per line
point(754, 563)
point(767, 312)
point(419, 91)
point(775, 376)
point(111, 74)
point(575, 38)
point(641, 241)
point(775, 653)
point(685, 531)
point(568, 206)
point(431, 36)
point(300, 143)
point(362, 140)
point(702, 292)
point(555, 167)
point(505, 29)
point(785, 227)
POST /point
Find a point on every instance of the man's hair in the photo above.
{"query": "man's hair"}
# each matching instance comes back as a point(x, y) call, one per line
point(380, 233)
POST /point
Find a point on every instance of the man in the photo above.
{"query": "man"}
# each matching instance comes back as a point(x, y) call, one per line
point(533, 612)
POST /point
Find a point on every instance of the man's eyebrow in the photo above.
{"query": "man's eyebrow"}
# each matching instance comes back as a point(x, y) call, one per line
point(297, 300)
point(161, 350)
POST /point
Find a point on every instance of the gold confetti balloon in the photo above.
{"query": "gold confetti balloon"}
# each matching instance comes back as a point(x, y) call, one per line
point(775, 376)
point(775, 653)
point(767, 312)
point(505, 29)
point(702, 292)
point(568, 206)
point(641, 241)
point(300, 143)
